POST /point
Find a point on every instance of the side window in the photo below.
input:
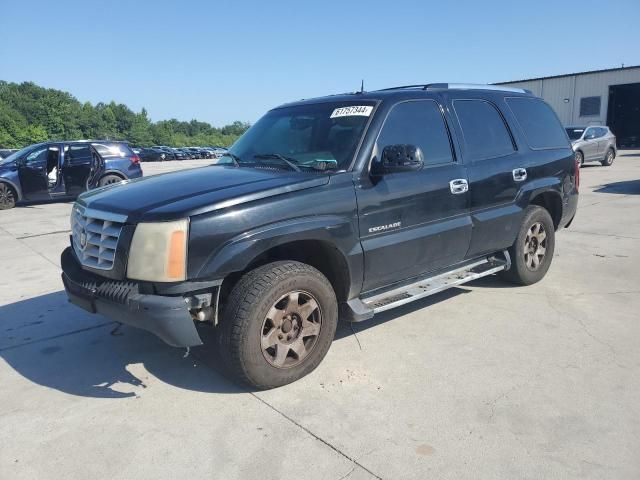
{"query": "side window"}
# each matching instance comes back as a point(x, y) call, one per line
point(601, 132)
point(484, 131)
point(77, 154)
point(419, 123)
point(590, 134)
point(541, 126)
point(110, 150)
point(37, 156)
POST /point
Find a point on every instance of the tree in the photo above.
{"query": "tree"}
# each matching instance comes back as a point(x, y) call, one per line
point(30, 113)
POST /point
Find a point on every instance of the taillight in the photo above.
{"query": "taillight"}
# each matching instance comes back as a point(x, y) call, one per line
point(577, 174)
point(135, 158)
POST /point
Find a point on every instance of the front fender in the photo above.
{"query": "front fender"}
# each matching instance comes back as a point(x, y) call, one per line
point(334, 231)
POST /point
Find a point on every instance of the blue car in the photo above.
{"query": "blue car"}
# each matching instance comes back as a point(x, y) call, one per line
point(63, 170)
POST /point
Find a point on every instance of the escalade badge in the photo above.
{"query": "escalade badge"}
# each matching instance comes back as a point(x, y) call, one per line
point(382, 228)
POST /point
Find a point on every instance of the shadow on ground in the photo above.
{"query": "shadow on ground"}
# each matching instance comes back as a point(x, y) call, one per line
point(628, 187)
point(56, 345)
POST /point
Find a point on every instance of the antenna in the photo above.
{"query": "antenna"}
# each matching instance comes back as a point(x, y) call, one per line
point(362, 86)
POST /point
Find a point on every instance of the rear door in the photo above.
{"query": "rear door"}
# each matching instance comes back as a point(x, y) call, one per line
point(496, 172)
point(601, 136)
point(411, 222)
point(78, 161)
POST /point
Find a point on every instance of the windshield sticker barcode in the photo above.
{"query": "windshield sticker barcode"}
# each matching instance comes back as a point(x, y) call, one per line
point(360, 110)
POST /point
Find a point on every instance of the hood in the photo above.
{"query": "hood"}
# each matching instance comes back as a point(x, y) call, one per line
point(7, 165)
point(191, 192)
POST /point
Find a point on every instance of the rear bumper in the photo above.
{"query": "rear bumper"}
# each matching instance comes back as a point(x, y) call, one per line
point(167, 317)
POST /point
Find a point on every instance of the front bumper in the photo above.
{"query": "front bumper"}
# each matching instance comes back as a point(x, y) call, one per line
point(167, 317)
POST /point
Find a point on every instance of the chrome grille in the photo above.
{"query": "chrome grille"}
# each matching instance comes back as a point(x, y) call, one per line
point(95, 236)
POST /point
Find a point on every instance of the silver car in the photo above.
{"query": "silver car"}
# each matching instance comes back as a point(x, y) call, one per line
point(593, 144)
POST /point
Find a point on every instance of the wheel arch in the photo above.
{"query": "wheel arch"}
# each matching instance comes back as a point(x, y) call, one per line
point(551, 201)
point(320, 254)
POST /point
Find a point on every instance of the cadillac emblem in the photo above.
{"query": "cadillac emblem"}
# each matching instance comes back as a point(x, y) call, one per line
point(83, 239)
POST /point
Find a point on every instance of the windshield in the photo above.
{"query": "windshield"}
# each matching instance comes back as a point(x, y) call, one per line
point(574, 133)
point(18, 154)
point(321, 136)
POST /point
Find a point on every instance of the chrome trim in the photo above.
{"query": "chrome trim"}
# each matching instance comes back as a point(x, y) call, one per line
point(95, 235)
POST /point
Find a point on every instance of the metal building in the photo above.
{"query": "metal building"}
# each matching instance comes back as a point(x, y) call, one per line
point(601, 97)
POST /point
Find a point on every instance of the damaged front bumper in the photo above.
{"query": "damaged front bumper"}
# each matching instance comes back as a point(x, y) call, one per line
point(167, 317)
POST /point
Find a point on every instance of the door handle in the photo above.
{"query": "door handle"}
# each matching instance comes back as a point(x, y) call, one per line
point(519, 174)
point(458, 186)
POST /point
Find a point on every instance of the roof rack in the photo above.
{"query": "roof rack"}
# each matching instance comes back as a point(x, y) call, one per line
point(458, 86)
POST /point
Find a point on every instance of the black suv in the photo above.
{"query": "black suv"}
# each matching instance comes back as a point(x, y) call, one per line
point(350, 204)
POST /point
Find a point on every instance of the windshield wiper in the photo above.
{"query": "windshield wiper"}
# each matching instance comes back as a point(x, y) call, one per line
point(287, 160)
point(236, 159)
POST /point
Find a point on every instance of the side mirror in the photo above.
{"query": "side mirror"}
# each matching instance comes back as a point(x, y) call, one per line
point(398, 159)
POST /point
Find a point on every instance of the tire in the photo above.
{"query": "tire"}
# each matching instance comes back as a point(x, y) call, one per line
point(608, 158)
point(8, 196)
point(109, 180)
point(579, 158)
point(259, 318)
point(531, 255)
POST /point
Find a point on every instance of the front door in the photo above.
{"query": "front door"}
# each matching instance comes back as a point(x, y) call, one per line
point(33, 174)
point(411, 222)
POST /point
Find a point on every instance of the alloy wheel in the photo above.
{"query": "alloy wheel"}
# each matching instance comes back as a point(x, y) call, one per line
point(7, 199)
point(291, 329)
point(609, 158)
point(535, 246)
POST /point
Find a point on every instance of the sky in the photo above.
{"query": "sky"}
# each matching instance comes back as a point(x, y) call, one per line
point(221, 61)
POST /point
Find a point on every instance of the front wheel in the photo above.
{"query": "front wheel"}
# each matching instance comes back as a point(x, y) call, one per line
point(7, 197)
point(532, 252)
point(278, 324)
point(608, 159)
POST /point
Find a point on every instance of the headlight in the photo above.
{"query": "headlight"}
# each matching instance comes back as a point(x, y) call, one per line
point(158, 252)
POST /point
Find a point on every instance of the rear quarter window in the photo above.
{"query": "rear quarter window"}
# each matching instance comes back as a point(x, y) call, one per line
point(540, 125)
point(113, 150)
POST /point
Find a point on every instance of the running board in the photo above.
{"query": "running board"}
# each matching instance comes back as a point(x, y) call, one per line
point(429, 286)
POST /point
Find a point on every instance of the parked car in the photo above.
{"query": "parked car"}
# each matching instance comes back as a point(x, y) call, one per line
point(188, 153)
point(5, 152)
point(169, 153)
point(593, 144)
point(195, 152)
point(51, 170)
point(152, 155)
point(353, 203)
point(179, 154)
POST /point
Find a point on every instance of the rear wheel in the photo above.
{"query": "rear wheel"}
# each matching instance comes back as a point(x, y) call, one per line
point(7, 196)
point(608, 158)
point(278, 324)
point(109, 180)
point(532, 252)
point(579, 158)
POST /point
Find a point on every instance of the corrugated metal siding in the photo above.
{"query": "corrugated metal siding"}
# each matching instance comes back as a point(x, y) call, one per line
point(575, 87)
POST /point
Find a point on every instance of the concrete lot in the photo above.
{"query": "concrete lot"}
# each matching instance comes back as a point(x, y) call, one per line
point(484, 381)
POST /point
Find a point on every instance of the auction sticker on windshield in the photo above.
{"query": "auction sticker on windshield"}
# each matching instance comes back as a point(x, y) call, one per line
point(360, 110)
